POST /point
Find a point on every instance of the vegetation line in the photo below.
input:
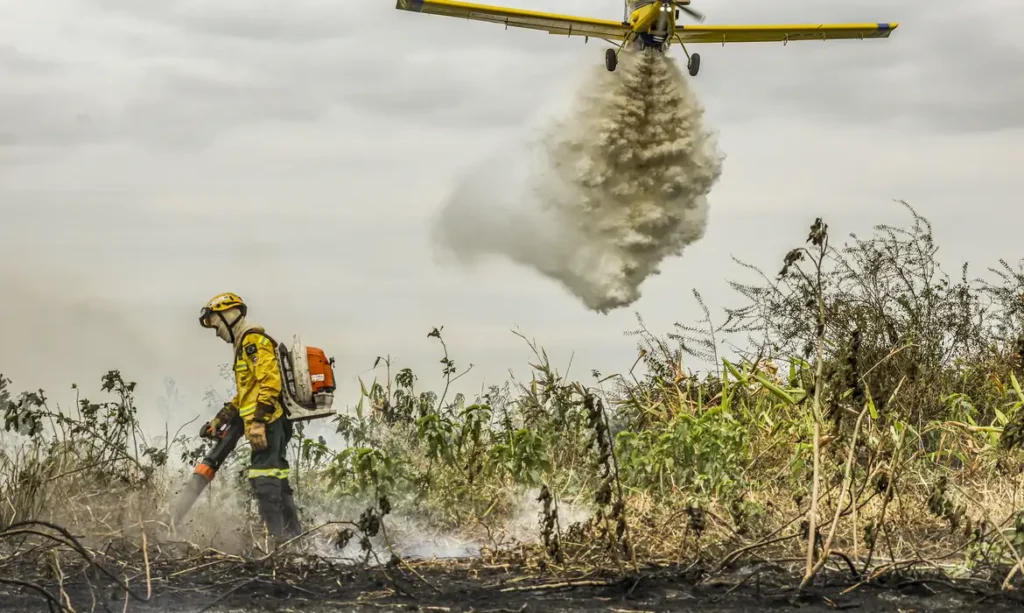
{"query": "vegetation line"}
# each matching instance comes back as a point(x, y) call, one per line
point(861, 384)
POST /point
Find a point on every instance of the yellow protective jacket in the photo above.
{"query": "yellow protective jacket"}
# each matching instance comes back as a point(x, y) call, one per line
point(257, 376)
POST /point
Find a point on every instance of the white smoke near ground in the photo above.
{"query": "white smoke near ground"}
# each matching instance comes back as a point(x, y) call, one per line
point(619, 185)
point(216, 520)
point(412, 536)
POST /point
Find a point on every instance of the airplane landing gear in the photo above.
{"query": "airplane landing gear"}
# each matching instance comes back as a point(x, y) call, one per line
point(610, 59)
point(692, 60)
point(693, 64)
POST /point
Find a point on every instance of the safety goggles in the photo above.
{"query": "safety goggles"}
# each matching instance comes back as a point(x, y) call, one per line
point(204, 317)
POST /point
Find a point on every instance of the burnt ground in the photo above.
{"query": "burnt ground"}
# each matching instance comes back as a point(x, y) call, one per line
point(227, 584)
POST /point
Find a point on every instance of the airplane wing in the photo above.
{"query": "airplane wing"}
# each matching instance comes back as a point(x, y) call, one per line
point(564, 25)
point(781, 33)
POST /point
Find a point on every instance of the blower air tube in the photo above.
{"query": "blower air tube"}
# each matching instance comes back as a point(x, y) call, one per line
point(207, 469)
point(188, 496)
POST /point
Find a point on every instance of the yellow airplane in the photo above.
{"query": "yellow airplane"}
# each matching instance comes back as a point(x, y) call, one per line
point(647, 24)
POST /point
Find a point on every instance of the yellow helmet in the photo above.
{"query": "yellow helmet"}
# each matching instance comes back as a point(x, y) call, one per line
point(219, 304)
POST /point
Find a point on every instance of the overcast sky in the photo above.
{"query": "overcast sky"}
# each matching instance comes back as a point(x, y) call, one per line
point(153, 154)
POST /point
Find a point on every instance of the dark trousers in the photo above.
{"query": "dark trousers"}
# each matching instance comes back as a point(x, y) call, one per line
point(268, 475)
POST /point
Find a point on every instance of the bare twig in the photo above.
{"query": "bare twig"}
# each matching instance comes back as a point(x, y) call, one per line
point(827, 547)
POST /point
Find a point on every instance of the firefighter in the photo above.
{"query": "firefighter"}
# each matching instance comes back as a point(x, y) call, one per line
point(257, 401)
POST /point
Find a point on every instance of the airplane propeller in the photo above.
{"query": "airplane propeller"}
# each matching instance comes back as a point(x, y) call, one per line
point(682, 6)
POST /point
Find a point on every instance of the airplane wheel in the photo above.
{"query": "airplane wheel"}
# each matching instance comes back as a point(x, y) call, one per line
point(694, 64)
point(610, 59)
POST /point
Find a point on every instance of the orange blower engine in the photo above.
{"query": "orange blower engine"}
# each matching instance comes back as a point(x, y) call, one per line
point(308, 381)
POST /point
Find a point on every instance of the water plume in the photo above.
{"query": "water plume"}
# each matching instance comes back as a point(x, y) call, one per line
point(621, 184)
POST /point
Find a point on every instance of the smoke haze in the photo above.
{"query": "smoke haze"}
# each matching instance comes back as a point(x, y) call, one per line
point(607, 194)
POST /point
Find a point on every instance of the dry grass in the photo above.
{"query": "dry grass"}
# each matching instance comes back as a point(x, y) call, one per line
point(557, 478)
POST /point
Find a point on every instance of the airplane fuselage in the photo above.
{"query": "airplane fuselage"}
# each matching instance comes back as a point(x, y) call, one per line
point(653, 26)
point(654, 23)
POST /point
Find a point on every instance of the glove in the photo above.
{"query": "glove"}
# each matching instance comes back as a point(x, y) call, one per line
point(224, 415)
point(256, 433)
